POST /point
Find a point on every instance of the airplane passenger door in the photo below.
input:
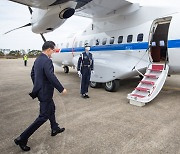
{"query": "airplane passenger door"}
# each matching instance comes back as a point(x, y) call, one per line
point(158, 39)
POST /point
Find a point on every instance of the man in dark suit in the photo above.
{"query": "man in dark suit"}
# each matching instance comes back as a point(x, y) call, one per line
point(44, 81)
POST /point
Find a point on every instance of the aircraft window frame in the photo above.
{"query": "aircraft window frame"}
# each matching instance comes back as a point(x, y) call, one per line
point(67, 45)
point(111, 41)
point(97, 42)
point(140, 37)
point(129, 38)
point(120, 39)
point(80, 43)
point(104, 41)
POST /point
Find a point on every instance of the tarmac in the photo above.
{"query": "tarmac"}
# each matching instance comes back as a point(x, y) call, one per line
point(103, 124)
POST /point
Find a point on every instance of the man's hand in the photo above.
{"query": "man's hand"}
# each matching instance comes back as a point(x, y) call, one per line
point(79, 73)
point(64, 91)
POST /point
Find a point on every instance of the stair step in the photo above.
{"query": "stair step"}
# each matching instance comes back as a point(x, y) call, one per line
point(136, 95)
point(157, 67)
point(151, 76)
point(142, 89)
point(147, 82)
point(156, 70)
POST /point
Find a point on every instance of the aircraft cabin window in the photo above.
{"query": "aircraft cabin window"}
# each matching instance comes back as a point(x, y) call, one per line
point(80, 44)
point(140, 37)
point(111, 40)
point(67, 45)
point(129, 38)
point(104, 41)
point(61, 44)
point(120, 39)
point(97, 41)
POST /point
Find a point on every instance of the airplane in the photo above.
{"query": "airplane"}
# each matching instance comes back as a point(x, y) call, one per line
point(126, 39)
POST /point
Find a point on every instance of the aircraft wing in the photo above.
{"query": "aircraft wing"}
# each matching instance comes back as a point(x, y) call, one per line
point(104, 8)
point(88, 8)
point(46, 3)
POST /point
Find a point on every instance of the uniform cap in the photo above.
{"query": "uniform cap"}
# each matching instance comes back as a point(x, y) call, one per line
point(86, 45)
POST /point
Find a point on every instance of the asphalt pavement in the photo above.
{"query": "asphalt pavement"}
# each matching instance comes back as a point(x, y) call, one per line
point(103, 124)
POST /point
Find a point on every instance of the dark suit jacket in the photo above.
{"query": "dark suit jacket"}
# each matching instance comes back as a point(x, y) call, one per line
point(43, 78)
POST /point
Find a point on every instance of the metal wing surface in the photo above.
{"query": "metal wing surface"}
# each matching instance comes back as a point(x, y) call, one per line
point(105, 8)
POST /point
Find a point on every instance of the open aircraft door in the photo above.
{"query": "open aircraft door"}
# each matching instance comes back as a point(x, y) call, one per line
point(158, 39)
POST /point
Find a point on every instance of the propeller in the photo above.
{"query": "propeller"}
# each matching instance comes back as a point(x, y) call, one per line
point(29, 24)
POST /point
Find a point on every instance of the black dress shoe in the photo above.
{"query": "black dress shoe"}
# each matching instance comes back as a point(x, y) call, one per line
point(57, 131)
point(83, 96)
point(87, 96)
point(22, 144)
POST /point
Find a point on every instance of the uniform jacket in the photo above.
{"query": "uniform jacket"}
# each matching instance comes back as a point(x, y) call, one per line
point(43, 78)
point(85, 60)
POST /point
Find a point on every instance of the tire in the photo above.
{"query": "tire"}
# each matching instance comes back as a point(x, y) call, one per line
point(112, 86)
point(95, 84)
point(66, 69)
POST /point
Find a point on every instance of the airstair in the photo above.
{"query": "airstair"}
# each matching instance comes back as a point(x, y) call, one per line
point(150, 85)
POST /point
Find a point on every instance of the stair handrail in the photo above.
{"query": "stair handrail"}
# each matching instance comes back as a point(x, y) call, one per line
point(138, 71)
point(150, 59)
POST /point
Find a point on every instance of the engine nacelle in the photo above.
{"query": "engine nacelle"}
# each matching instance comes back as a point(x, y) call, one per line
point(44, 21)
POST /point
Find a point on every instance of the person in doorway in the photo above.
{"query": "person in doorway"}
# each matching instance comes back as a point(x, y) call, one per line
point(44, 81)
point(85, 67)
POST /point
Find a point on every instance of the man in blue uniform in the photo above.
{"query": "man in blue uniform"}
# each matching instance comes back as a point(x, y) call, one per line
point(85, 68)
point(44, 81)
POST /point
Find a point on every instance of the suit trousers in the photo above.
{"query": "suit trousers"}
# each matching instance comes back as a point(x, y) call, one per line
point(47, 111)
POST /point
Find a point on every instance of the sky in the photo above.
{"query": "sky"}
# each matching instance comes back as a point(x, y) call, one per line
point(13, 15)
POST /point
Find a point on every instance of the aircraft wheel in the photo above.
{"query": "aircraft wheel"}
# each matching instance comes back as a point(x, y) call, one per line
point(112, 86)
point(66, 69)
point(95, 84)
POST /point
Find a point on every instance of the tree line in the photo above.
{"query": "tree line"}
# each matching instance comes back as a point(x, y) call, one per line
point(19, 54)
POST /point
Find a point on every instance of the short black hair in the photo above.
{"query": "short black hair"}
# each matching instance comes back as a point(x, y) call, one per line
point(48, 44)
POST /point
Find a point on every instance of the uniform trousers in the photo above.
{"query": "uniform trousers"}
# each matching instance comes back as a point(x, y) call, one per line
point(47, 111)
point(85, 78)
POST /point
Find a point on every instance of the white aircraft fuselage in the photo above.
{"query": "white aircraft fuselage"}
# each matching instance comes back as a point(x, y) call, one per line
point(122, 44)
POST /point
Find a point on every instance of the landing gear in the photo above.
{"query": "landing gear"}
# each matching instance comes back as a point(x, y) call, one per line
point(95, 84)
point(112, 86)
point(66, 69)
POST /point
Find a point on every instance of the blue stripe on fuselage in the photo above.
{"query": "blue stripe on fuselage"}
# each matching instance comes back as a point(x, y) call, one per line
point(127, 46)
